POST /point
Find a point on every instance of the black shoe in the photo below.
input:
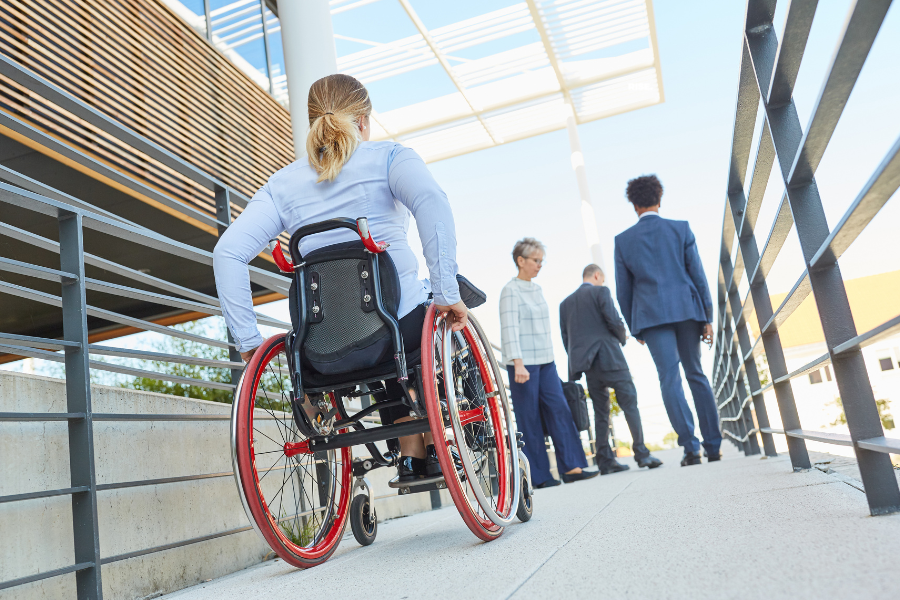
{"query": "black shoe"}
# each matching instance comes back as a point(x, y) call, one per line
point(549, 483)
point(712, 457)
point(691, 458)
point(580, 476)
point(613, 466)
point(433, 465)
point(651, 462)
point(410, 468)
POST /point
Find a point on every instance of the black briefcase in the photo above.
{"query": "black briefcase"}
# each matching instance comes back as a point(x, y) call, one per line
point(577, 404)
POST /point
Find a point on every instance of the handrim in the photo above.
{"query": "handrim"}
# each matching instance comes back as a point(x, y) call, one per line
point(432, 353)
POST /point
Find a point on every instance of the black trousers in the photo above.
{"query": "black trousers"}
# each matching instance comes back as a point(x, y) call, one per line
point(599, 382)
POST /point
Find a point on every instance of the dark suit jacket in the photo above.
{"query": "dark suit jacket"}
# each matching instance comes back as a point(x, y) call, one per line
point(591, 328)
point(659, 277)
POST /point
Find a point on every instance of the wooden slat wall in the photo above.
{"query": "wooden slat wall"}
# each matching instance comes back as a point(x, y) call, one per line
point(139, 63)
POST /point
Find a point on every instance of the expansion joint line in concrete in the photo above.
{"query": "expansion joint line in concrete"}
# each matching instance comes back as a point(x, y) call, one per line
point(566, 543)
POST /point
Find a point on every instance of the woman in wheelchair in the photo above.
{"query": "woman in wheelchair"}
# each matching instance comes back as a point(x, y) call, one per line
point(346, 175)
point(362, 326)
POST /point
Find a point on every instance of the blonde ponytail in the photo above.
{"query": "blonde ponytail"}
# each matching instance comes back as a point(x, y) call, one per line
point(336, 103)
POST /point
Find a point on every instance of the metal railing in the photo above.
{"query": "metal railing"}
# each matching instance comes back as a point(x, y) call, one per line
point(77, 221)
point(74, 350)
point(769, 68)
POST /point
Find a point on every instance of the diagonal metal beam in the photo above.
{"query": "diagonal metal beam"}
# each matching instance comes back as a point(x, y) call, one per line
point(442, 59)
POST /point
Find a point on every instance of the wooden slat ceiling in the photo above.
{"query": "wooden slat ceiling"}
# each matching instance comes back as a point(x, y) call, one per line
point(137, 62)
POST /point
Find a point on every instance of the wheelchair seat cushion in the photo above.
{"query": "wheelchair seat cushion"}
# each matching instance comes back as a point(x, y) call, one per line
point(313, 381)
point(346, 335)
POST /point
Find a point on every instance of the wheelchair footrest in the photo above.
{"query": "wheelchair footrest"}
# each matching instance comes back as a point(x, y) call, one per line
point(418, 485)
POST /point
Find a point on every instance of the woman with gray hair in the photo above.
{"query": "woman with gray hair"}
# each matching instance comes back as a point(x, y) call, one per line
point(533, 380)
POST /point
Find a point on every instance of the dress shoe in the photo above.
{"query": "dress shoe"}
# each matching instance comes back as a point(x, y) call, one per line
point(410, 468)
point(579, 476)
point(712, 457)
point(612, 466)
point(691, 458)
point(651, 462)
point(433, 465)
point(547, 484)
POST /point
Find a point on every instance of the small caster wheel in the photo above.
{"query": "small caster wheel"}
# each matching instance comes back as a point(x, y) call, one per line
point(363, 520)
point(526, 500)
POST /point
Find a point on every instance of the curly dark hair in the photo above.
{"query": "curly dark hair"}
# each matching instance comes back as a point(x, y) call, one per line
point(644, 191)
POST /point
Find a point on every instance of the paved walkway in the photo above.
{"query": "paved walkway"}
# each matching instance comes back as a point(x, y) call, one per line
point(740, 528)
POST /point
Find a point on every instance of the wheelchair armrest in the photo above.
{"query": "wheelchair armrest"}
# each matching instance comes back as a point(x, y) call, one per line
point(469, 294)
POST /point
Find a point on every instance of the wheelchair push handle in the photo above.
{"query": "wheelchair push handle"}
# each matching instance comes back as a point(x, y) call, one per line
point(360, 226)
point(281, 261)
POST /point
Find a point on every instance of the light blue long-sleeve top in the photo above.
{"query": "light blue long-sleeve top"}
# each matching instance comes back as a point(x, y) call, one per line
point(382, 181)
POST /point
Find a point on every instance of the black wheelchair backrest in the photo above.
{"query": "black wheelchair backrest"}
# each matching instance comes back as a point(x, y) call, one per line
point(344, 330)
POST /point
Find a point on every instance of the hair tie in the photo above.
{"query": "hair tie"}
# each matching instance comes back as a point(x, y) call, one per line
point(329, 113)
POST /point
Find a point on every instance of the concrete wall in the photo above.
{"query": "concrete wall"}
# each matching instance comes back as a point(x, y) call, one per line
point(36, 535)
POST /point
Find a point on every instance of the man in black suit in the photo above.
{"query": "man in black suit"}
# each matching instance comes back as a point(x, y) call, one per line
point(593, 335)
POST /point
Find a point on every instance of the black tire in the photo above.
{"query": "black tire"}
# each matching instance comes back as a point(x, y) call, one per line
point(526, 504)
point(363, 520)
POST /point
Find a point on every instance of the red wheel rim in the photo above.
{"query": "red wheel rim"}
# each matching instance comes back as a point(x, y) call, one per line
point(468, 508)
point(268, 524)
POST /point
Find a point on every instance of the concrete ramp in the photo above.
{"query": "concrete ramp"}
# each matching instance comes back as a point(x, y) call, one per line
point(740, 528)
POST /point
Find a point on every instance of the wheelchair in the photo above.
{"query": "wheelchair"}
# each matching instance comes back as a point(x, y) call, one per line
point(292, 435)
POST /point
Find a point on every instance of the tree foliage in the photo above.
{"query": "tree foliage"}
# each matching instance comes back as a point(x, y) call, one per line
point(884, 412)
point(614, 408)
point(172, 345)
point(670, 440)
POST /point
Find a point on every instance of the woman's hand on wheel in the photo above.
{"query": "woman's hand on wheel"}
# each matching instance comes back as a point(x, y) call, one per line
point(521, 374)
point(457, 315)
point(248, 354)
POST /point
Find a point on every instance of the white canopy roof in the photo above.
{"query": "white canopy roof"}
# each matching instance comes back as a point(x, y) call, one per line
point(517, 70)
point(598, 57)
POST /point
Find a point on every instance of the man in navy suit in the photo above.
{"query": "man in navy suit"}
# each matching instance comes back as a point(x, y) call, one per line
point(662, 291)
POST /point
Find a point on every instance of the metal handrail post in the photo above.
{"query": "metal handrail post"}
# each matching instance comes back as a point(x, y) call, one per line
point(745, 429)
point(744, 364)
point(745, 117)
point(85, 528)
point(729, 382)
point(223, 215)
point(750, 253)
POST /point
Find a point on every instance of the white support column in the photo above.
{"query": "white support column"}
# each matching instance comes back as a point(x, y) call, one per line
point(588, 218)
point(307, 36)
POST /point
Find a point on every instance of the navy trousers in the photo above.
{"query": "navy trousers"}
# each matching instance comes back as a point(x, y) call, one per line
point(542, 395)
point(670, 345)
